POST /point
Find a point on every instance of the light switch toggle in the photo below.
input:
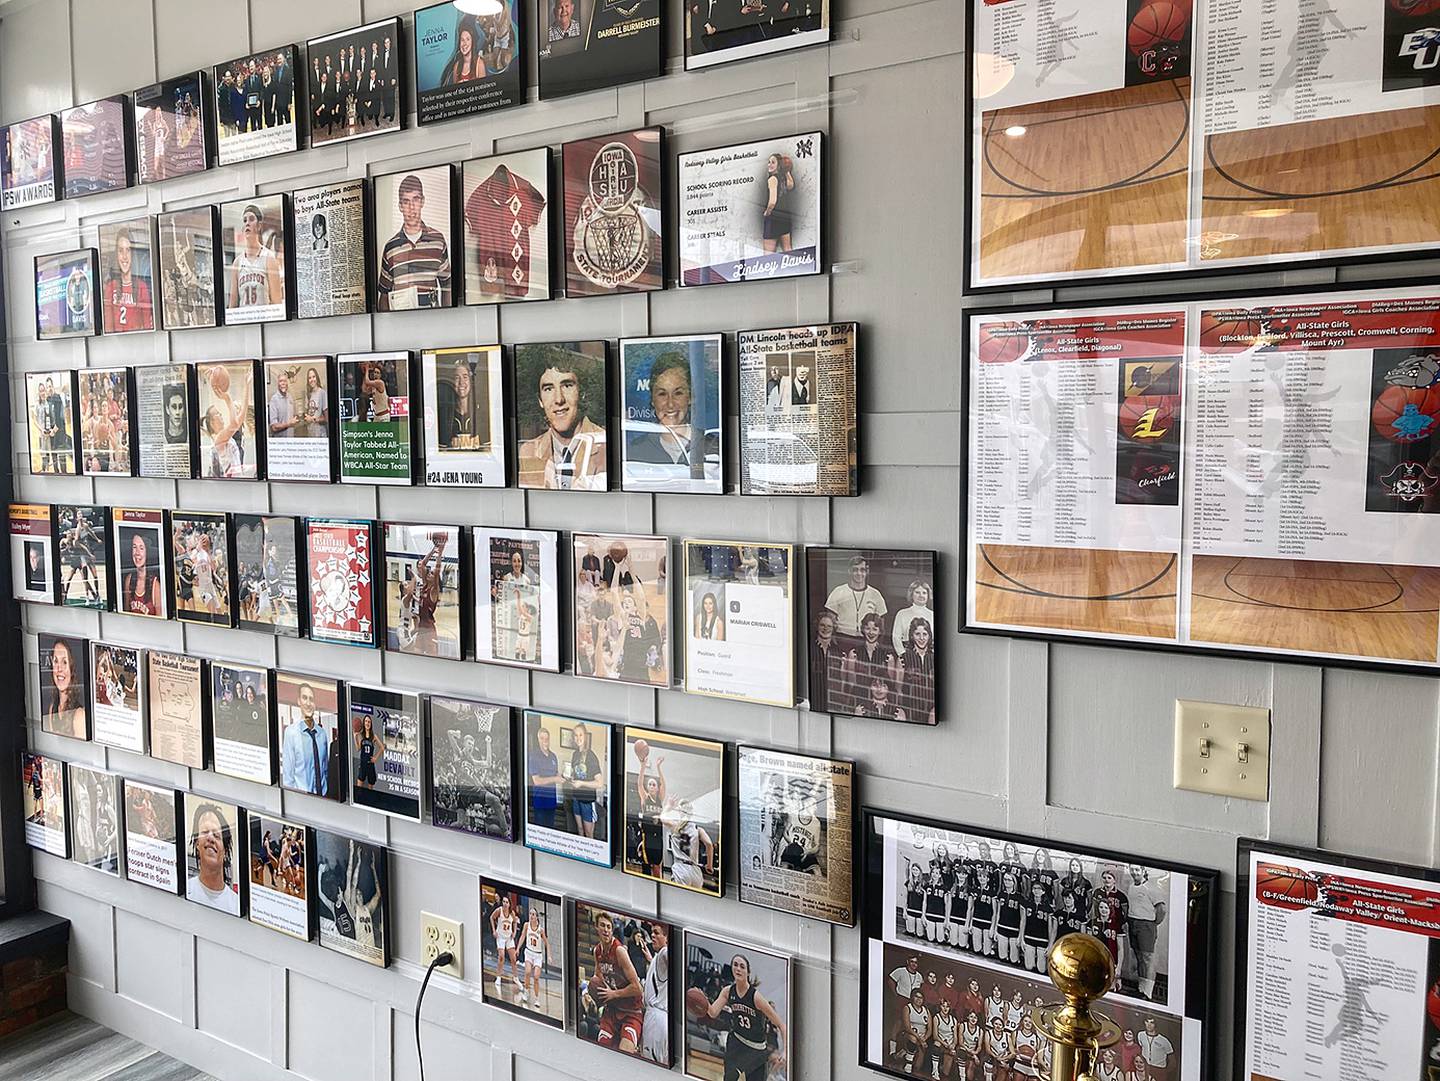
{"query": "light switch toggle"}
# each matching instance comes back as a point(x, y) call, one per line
point(1223, 750)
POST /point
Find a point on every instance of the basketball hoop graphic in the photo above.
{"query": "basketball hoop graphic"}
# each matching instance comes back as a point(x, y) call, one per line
point(612, 240)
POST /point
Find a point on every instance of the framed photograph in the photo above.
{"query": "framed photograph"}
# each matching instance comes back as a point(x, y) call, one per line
point(621, 608)
point(214, 849)
point(752, 988)
point(64, 701)
point(752, 212)
point(96, 141)
point(797, 397)
point(567, 787)
point(257, 101)
point(95, 818)
point(468, 63)
point(385, 741)
point(190, 264)
point(414, 234)
point(671, 415)
point(562, 413)
point(231, 443)
point(622, 982)
point(32, 552)
point(517, 597)
point(329, 227)
point(357, 83)
point(425, 610)
point(522, 951)
point(740, 621)
point(312, 752)
point(464, 404)
point(255, 243)
point(872, 637)
point(377, 430)
point(65, 285)
point(152, 838)
point(298, 441)
point(958, 922)
point(352, 897)
point(117, 696)
point(200, 567)
point(42, 789)
point(1208, 562)
point(797, 834)
point(50, 422)
point(717, 33)
point(242, 722)
point(139, 546)
point(177, 701)
point(282, 875)
point(174, 132)
point(344, 605)
point(165, 435)
point(267, 574)
point(675, 810)
point(83, 557)
point(29, 172)
point(505, 205)
point(592, 44)
point(614, 213)
point(127, 276)
point(105, 428)
point(1312, 927)
point(472, 767)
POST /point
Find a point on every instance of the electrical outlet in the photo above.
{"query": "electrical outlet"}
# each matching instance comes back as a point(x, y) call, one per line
point(439, 935)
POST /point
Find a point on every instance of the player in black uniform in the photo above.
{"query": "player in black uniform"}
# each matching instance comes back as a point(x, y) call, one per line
point(753, 1020)
point(1039, 930)
point(983, 889)
point(1009, 915)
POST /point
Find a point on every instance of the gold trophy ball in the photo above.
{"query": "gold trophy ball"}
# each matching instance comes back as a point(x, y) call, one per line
point(1081, 967)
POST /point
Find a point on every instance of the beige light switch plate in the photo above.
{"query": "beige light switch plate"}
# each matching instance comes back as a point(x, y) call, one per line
point(1222, 750)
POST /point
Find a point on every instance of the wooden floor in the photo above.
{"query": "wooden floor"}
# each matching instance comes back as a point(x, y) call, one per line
point(1077, 589)
point(1094, 182)
point(72, 1048)
point(1264, 191)
point(1353, 609)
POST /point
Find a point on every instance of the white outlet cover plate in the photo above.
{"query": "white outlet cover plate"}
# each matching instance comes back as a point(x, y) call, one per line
point(1222, 773)
point(445, 931)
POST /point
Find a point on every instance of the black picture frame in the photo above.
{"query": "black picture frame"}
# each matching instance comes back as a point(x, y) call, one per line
point(126, 382)
point(290, 532)
point(753, 42)
point(210, 466)
point(448, 809)
point(405, 630)
point(350, 425)
point(333, 852)
point(156, 97)
point(78, 186)
point(288, 684)
point(79, 260)
point(587, 1012)
point(368, 769)
point(1202, 920)
point(146, 867)
point(316, 299)
point(451, 98)
point(578, 72)
point(186, 288)
point(256, 822)
point(276, 205)
point(94, 556)
point(334, 576)
point(36, 192)
point(275, 470)
point(182, 571)
point(316, 47)
point(259, 676)
point(253, 103)
point(384, 214)
point(552, 838)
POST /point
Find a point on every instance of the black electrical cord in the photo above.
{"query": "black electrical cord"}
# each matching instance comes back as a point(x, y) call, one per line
point(441, 960)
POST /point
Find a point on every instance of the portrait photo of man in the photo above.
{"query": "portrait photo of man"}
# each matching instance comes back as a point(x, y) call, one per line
point(560, 388)
point(414, 211)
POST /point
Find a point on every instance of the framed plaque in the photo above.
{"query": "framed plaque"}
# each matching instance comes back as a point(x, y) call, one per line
point(174, 130)
point(117, 696)
point(469, 62)
point(592, 44)
point(165, 436)
point(425, 585)
point(472, 767)
point(740, 621)
point(517, 597)
point(32, 552)
point(464, 402)
point(339, 562)
point(299, 433)
point(152, 840)
point(82, 554)
point(42, 791)
point(386, 772)
point(377, 423)
point(30, 174)
point(66, 284)
point(50, 422)
point(200, 566)
point(139, 545)
point(96, 141)
point(569, 805)
point(352, 897)
point(614, 213)
point(357, 83)
point(522, 925)
point(257, 100)
point(106, 432)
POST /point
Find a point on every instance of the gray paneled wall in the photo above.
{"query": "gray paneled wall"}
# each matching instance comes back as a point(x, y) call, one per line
point(1067, 741)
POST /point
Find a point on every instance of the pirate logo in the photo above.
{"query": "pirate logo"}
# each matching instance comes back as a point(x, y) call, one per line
point(1417, 370)
point(612, 240)
point(1409, 482)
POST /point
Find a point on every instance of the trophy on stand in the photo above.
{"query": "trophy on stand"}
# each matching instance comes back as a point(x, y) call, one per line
point(1083, 971)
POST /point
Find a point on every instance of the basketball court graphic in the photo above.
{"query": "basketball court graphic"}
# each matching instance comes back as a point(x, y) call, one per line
point(1075, 589)
point(1349, 609)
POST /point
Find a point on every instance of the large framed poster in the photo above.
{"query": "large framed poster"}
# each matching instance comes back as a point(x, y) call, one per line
point(1144, 138)
point(752, 212)
point(957, 922)
point(1251, 474)
point(1337, 965)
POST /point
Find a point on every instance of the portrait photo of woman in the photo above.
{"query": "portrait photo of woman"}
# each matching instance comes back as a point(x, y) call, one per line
point(64, 702)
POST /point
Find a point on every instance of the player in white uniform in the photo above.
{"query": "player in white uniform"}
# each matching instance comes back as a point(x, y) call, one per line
point(687, 841)
point(255, 278)
point(505, 925)
point(912, 1032)
point(1027, 1050)
point(537, 953)
point(655, 1038)
point(946, 1030)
